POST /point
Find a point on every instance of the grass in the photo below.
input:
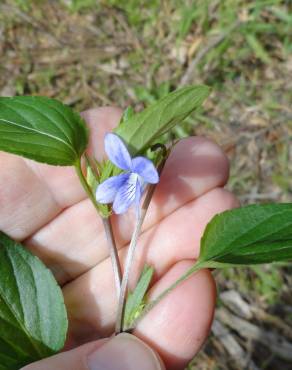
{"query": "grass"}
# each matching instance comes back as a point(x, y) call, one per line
point(129, 52)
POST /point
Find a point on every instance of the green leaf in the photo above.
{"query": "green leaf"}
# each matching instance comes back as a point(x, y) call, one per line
point(127, 114)
point(141, 129)
point(136, 299)
point(33, 319)
point(92, 179)
point(249, 235)
point(42, 129)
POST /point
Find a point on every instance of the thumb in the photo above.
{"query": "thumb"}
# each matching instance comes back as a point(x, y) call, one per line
point(123, 352)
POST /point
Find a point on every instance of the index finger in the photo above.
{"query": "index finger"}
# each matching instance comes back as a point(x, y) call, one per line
point(33, 194)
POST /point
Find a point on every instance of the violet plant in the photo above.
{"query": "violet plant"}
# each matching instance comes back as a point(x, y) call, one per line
point(33, 319)
point(127, 188)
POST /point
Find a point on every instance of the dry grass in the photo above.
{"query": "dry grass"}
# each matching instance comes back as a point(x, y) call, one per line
point(131, 53)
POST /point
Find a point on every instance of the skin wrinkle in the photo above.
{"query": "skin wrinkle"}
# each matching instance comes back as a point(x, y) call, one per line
point(163, 318)
point(123, 225)
point(92, 220)
point(38, 175)
point(76, 359)
point(21, 197)
point(155, 252)
point(101, 314)
point(38, 171)
point(188, 342)
point(42, 244)
point(90, 298)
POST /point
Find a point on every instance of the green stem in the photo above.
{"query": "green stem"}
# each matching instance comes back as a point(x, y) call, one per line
point(85, 185)
point(195, 268)
point(130, 258)
point(131, 252)
point(117, 271)
point(107, 227)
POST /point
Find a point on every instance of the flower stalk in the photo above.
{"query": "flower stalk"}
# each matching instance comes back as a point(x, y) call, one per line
point(117, 270)
point(132, 248)
point(107, 227)
point(130, 258)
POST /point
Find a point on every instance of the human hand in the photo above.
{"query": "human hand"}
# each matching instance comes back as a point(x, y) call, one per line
point(46, 208)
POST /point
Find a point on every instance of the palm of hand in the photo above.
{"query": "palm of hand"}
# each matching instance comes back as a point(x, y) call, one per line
point(46, 208)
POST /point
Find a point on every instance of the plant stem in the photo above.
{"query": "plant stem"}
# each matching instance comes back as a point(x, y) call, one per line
point(108, 230)
point(129, 260)
point(113, 254)
point(85, 185)
point(195, 268)
point(132, 248)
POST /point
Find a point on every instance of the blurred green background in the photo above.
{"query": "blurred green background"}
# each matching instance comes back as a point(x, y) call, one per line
point(127, 52)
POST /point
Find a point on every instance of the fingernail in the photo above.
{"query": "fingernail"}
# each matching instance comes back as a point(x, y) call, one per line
point(124, 352)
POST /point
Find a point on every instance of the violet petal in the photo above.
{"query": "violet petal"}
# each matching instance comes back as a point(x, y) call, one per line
point(117, 152)
point(146, 169)
point(126, 195)
point(106, 191)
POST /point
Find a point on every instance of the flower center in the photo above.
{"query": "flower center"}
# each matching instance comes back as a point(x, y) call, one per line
point(131, 186)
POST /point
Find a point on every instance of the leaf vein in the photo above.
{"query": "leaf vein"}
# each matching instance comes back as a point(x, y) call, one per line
point(39, 132)
point(10, 308)
point(59, 127)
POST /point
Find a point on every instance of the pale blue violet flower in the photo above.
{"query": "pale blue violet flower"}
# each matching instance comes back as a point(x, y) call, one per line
point(127, 188)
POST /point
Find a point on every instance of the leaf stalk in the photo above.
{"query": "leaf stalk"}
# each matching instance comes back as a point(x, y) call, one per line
point(195, 268)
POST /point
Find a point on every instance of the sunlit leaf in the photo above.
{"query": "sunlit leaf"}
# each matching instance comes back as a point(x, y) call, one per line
point(42, 129)
point(249, 235)
point(33, 319)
